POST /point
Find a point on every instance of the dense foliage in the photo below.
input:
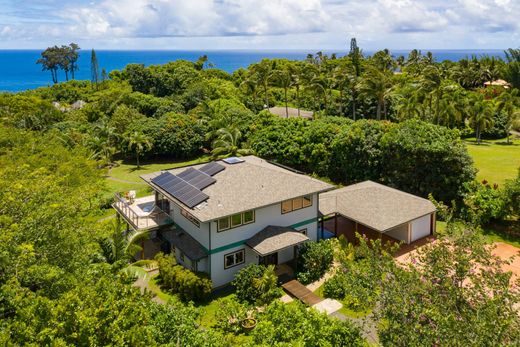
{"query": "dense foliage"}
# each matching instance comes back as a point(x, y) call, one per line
point(314, 259)
point(257, 284)
point(190, 286)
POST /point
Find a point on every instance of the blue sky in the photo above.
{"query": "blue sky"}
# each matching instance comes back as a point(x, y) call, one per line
point(260, 24)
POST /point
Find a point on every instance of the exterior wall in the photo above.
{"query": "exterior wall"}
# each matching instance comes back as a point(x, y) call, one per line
point(269, 215)
point(421, 227)
point(201, 234)
point(221, 276)
point(399, 233)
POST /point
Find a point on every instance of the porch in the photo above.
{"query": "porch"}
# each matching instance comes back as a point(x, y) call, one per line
point(141, 213)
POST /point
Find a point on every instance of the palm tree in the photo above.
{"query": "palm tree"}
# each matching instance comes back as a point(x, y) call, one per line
point(376, 85)
point(296, 81)
point(264, 72)
point(121, 245)
point(250, 86)
point(284, 79)
point(430, 84)
point(227, 143)
point(480, 115)
point(139, 142)
point(509, 103)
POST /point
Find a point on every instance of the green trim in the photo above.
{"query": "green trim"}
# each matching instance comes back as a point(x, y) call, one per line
point(305, 222)
point(240, 243)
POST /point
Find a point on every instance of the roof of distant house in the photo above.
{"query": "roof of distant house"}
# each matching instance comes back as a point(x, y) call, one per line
point(498, 82)
point(293, 112)
point(275, 238)
point(375, 205)
point(244, 186)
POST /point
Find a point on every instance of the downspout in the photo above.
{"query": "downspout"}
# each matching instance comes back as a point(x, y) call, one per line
point(209, 250)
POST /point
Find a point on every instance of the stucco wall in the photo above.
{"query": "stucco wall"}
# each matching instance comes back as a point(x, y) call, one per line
point(421, 227)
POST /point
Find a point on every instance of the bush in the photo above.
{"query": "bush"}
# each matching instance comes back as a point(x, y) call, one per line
point(314, 259)
point(257, 284)
point(178, 280)
point(483, 203)
point(229, 314)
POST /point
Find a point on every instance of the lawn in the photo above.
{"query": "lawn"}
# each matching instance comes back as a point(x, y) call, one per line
point(495, 160)
point(125, 176)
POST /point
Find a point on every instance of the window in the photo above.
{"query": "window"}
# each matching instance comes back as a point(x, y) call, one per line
point(287, 206)
point(303, 231)
point(296, 204)
point(234, 259)
point(190, 217)
point(223, 224)
point(248, 217)
point(236, 220)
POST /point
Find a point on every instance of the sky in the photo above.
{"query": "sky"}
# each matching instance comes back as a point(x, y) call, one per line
point(260, 24)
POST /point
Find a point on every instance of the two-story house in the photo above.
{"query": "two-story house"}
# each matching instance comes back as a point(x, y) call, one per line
point(229, 213)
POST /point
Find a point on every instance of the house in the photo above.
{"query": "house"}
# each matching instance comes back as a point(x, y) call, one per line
point(291, 112)
point(376, 211)
point(220, 216)
point(497, 83)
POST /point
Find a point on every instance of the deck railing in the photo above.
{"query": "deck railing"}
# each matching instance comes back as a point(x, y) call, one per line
point(154, 219)
point(123, 206)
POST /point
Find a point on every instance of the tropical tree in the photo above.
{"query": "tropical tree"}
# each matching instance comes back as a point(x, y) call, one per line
point(283, 78)
point(376, 85)
point(138, 142)
point(509, 104)
point(227, 143)
point(50, 61)
point(264, 73)
point(120, 246)
point(480, 113)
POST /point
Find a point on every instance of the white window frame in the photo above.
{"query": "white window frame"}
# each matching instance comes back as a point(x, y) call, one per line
point(234, 255)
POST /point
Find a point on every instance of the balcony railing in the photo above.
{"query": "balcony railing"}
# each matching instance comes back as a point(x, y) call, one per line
point(141, 213)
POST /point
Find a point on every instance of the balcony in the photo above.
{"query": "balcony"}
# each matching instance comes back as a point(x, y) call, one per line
point(141, 213)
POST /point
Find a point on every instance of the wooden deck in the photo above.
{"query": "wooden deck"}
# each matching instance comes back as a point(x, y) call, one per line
point(302, 293)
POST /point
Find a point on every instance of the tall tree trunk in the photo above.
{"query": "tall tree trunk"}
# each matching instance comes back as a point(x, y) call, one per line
point(378, 110)
point(286, 107)
point(137, 156)
point(298, 99)
point(341, 102)
point(354, 106)
point(477, 133)
point(66, 75)
point(266, 96)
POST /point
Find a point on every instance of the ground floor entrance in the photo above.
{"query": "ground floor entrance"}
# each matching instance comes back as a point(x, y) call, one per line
point(270, 259)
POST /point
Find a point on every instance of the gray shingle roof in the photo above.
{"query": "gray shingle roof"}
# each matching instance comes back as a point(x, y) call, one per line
point(187, 244)
point(249, 185)
point(375, 205)
point(275, 238)
point(293, 112)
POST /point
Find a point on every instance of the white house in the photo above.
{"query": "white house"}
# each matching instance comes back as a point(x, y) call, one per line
point(219, 217)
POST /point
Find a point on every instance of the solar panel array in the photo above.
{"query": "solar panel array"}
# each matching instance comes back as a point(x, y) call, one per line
point(180, 189)
point(196, 178)
point(212, 168)
point(187, 186)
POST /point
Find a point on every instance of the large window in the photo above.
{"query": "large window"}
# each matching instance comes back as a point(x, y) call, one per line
point(296, 204)
point(236, 220)
point(234, 259)
point(190, 217)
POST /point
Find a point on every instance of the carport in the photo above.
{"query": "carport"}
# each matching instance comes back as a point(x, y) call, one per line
point(376, 211)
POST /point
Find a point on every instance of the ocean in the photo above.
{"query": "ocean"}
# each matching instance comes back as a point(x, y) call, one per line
point(18, 69)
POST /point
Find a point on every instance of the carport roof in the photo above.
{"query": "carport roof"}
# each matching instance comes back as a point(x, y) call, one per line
point(375, 205)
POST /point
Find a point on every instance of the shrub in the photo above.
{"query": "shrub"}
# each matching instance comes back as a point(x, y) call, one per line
point(257, 284)
point(314, 259)
point(178, 280)
point(335, 287)
point(229, 314)
point(483, 203)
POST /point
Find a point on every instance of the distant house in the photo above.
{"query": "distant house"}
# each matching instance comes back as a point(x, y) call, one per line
point(499, 82)
point(219, 217)
point(293, 112)
point(376, 211)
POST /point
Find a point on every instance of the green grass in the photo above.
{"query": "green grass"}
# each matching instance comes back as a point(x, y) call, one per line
point(126, 170)
point(156, 289)
point(494, 233)
point(495, 160)
point(344, 309)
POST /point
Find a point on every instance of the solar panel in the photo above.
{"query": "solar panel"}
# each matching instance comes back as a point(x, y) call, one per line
point(233, 160)
point(183, 191)
point(212, 168)
point(197, 178)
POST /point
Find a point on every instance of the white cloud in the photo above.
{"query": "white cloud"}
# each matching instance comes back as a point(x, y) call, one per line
point(264, 23)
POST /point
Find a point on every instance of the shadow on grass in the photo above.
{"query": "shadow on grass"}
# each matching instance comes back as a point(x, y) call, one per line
point(507, 231)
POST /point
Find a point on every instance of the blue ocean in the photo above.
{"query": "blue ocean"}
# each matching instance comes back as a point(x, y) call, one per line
point(18, 69)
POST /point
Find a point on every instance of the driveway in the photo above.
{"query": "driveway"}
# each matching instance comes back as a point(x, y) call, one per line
point(510, 253)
